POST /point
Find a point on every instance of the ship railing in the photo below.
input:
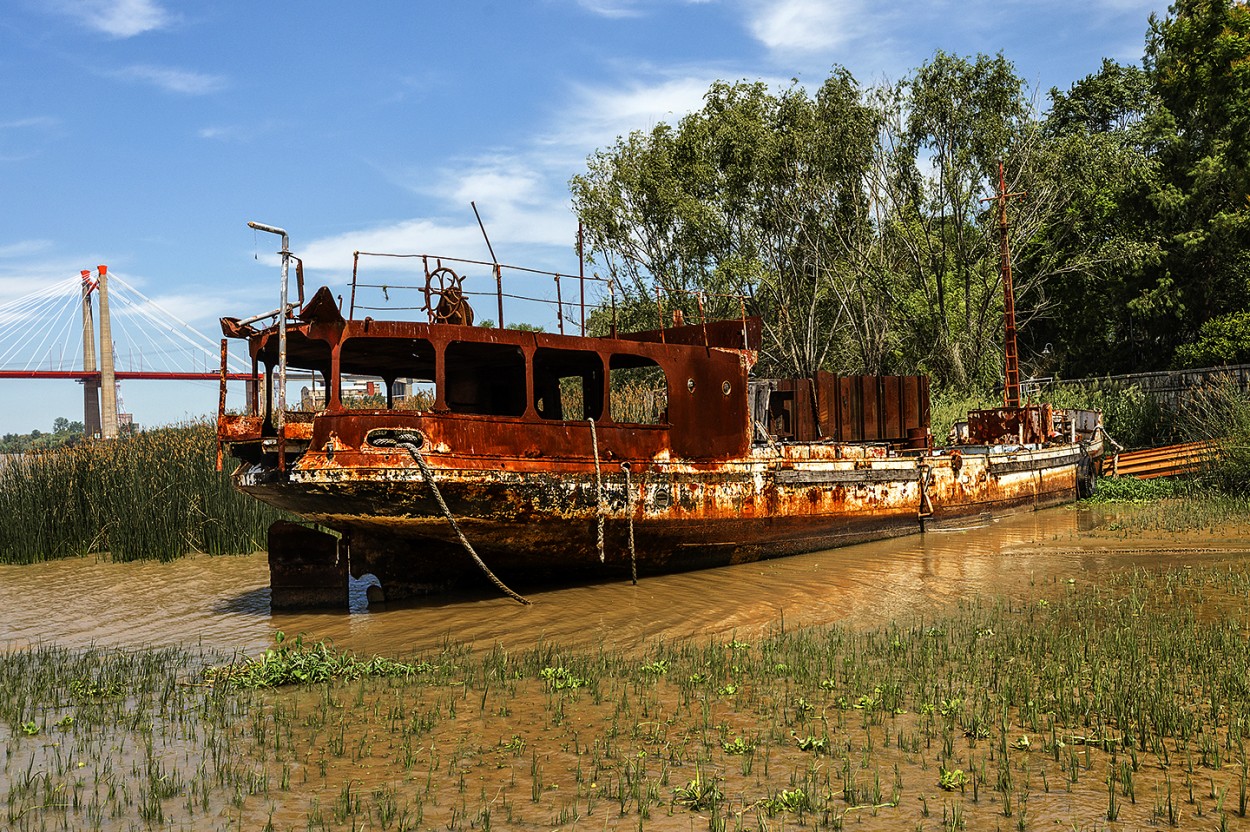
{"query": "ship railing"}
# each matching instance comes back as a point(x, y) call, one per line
point(572, 310)
point(442, 273)
point(700, 298)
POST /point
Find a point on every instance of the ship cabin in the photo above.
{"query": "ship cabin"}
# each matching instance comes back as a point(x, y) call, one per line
point(684, 392)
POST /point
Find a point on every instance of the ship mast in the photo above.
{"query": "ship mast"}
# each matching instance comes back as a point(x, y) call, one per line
point(1011, 383)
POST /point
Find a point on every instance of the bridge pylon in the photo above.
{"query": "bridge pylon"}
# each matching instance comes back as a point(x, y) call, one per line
point(91, 384)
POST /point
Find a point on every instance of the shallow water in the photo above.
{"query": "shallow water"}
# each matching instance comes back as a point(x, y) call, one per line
point(223, 603)
point(455, 750)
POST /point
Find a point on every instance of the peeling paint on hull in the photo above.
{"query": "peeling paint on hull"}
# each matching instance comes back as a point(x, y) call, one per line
point(532, 525)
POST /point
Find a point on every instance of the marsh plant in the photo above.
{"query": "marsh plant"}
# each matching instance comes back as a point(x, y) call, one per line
point(1078, 706)
point(155, 495)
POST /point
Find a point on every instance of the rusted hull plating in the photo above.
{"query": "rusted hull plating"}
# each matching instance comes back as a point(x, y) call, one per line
point(538, 522)
point(536, 438)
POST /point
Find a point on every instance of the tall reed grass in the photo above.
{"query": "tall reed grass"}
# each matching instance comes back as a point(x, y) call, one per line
point(1222, 415)
point(156, 495)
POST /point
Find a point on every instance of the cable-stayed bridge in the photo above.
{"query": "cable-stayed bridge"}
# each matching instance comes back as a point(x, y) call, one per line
point(52, 333)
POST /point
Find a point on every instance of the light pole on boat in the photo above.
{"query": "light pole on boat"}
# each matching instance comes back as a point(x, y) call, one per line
point(283, 309)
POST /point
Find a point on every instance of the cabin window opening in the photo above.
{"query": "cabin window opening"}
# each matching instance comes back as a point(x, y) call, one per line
point(568, 384)
point(485, 379)
point(638, 390)
point(307, 371)
point(393, 373)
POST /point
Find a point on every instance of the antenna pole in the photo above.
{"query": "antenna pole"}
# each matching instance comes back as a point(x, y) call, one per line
point(1011, 382)
point(493, 259)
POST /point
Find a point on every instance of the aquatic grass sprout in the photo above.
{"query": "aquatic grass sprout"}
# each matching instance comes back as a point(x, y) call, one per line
point(1061, 714)
point(153, 496)
point(292, 663)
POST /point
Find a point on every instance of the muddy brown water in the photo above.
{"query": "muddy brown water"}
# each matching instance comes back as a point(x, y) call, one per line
point(222, 603)
point(515, 752)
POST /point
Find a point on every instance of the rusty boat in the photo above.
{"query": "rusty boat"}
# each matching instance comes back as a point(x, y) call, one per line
point(428, 452)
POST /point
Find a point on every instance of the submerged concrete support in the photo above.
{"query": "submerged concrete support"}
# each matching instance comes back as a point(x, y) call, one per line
point(307, 568)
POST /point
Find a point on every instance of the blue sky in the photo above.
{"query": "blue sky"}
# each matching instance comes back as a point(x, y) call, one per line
point(144, 134)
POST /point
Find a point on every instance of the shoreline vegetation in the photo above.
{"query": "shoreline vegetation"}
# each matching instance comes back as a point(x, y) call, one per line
point(1090, 706)
point(155, 495)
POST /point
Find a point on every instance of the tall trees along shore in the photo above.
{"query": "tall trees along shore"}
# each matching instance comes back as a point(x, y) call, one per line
point(852, 218)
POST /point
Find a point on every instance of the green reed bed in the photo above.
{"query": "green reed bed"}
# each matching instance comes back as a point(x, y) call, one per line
point(1121, 706)
point(155, 495)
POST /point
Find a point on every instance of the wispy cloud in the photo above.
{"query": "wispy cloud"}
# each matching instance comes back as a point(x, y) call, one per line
point(237, 132)
point(804, 25)
point(180, 81)
point(30, 122)
point(28, 267)
point(612, 8)
point(25, 138)
point(602, 112)
point(522, 194)
point(117, 18)
point(414, 236)
point(24, 248)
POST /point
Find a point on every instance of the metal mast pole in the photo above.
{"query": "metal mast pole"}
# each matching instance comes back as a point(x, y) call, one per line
point(1011, 382)
point(91, 384)
point(108, 381)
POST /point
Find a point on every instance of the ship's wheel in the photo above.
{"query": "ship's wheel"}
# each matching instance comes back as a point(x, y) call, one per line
point(451, 306)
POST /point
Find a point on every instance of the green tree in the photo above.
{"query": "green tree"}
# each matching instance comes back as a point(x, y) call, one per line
point(1095, 309)
point(740, 198)
point(1162, 189)
point(1198, 58)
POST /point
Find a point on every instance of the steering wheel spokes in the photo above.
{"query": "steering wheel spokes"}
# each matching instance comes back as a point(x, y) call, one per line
point(444, 297)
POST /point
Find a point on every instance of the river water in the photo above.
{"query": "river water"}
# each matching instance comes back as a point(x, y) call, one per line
point(222, 603)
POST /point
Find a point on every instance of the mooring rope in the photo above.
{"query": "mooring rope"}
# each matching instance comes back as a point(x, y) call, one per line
point(407, 441)
point(599, 506)
point(629, 513)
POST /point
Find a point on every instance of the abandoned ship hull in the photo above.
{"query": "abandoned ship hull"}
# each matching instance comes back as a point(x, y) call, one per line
point(536, 523)
point(439, 453)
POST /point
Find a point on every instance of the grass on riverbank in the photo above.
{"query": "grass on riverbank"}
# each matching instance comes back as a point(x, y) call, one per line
point(1079, 706)
point(155, 495)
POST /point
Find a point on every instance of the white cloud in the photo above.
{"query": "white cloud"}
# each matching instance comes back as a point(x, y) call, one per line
point(804, 25)
point(599, 114)
point(24, 248)
point(628, 8)
point(414, 236)
point(237, 132)
point(612, 8)
point(119, 18)
point(172, 80)
point(30, 122)
point(521, 194)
